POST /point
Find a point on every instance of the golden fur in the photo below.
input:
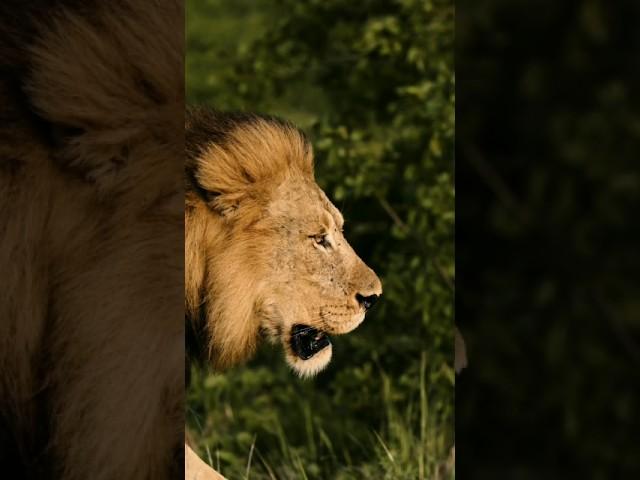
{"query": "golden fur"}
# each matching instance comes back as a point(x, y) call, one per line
point(91, 225)
point(264, 248)
point(196, 469)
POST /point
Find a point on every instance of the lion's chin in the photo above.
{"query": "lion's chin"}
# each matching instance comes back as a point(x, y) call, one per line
point(308, 349)
point(312, 365)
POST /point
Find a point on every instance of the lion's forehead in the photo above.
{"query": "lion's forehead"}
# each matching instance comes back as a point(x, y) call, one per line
point(304, 202)
point(331, 209)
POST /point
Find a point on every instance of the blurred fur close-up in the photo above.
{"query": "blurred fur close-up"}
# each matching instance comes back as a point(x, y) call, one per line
point(341, 167)
point(91, 240)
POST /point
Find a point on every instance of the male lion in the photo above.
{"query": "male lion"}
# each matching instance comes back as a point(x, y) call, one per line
point(264, 251)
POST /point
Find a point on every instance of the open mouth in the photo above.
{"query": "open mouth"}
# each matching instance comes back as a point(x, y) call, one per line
point(306, 341)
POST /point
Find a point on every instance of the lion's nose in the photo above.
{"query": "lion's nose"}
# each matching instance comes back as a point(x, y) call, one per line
point(367, 302)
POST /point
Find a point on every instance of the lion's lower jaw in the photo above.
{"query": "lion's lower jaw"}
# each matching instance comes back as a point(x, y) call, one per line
point(310, 367)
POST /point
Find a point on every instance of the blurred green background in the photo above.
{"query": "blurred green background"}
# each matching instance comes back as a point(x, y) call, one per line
point(547, 238)
point(372, 83)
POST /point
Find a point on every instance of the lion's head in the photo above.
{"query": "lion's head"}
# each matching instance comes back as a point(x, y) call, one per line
point(265, 253)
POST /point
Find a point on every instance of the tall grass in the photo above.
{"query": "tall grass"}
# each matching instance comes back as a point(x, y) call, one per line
point(410, 443)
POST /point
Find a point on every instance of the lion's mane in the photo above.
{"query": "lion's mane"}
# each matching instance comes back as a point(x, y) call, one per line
point(253, 153)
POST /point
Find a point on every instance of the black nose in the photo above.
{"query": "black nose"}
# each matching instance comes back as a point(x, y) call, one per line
point(367, 302)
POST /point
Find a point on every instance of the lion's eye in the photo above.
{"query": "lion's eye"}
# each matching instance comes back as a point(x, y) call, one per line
point(322, 240)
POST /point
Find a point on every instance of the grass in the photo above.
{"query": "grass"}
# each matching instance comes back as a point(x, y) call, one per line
point(410, 443)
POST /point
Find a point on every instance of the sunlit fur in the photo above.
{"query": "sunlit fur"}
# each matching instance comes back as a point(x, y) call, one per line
point(253, 264)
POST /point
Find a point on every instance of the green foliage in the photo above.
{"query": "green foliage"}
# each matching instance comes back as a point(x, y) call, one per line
point(372, 83)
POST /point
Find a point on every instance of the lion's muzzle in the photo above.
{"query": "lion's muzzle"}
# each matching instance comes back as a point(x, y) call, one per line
point(368, 301)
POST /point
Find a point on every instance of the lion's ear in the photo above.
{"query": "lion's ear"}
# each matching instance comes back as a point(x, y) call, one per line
point(224, 205)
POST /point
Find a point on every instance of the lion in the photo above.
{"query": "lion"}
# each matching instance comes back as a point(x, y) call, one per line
point(265, 253)
point(91, 240)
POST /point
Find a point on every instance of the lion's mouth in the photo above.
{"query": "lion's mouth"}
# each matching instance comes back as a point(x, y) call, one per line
point(306, 341)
